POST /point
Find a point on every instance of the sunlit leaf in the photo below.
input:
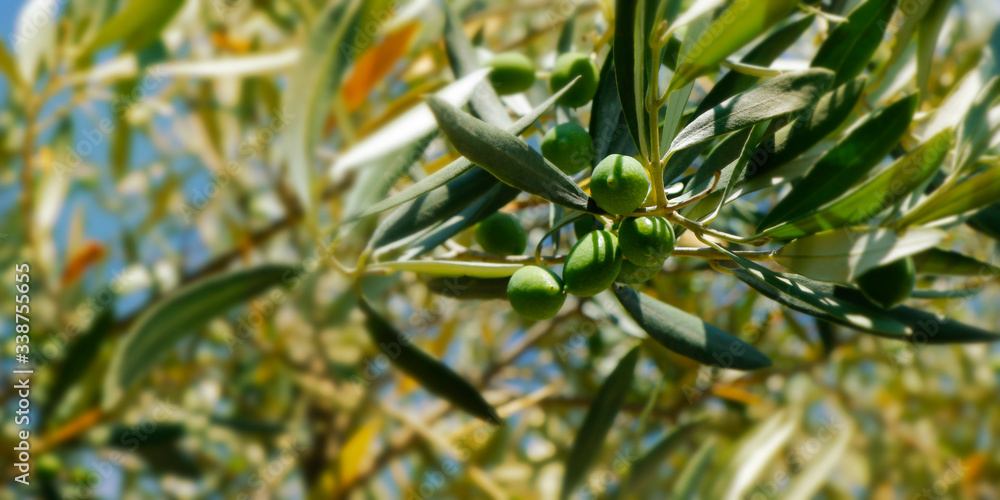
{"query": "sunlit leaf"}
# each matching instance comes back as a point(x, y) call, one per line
point(853, 43)
point(847, 163)
point(841, 256)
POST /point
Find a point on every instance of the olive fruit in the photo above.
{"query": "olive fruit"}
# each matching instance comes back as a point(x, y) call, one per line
point(501, 234)
point(568, 146)
point(632, 274)
point(646, 241)
point(619, 184)
point(535, 293)
point(890, 284)
point(512, 73)
point(569, 66)
point(592, 264)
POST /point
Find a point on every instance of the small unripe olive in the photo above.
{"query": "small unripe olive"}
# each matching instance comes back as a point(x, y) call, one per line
point(592, 264)
point(512, 73)
point(501, 234)
point(619, 184)
point(535, 293)
point(890, 284)
point(568, 66)
point(646, 241)
point(568, 146)
point(633, 274)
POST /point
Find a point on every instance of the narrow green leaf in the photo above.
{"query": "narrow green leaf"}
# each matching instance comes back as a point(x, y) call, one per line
point(608, 128)
point(927, 36)
point(177, 315)
point(476, 211)
point(769, 99)
point(847, 163)
point(452, 268)
point(623, 52)
point(738, 24)
point(686, 486)
point(939, 262)
point(928, 328)
point(374, 182)
point(484, 101)
point(900, 322)
point(456, 168)
point(688, 335)
point(763, 54)
point(645, 467)
point(138, 24)
point(805, 295)
point(600, 417)
point(508, 158)
point(80, 355)
point(868, 200)
point(565, 43)
point(434, 376)
point(433, 207)
point(320, 70)
point(841, 255)
point(852, 44)
point(754, 452)
point(810, 126)
point(974, 133)
point(972, 193)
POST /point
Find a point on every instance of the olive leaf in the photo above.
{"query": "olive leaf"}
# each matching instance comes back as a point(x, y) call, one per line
point(738, 24)
point(185, 310)
point(688, 335)
point(627, 67)
point(847, 163)
point(868, 200)
point(853, 43)
point(840, 256)
point(509, 159)
point(434, 376)
point(764, 53)
point(609, 131)
point(972, 193)
point(769, 99)
point(456, 168)
point(689, 478)
point(600, 417)
point(936, 261)
point(469, 288)
point(452, 268)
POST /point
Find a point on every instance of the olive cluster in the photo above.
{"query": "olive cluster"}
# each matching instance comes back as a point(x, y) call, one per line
point(630, 250)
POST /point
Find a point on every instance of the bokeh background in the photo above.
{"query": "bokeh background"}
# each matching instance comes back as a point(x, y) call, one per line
point(131, 168)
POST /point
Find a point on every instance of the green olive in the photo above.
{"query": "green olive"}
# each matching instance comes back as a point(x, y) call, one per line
point(501, 234)
point(568, 146)
point(569, 66)
point(646, 241)
point(512, 73)
point(632, 274)
point(619, 184)
point(592, 264)
point(535, 293)
point(890, 284)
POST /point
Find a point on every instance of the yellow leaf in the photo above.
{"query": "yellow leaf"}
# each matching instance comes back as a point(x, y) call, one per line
point(355, 454)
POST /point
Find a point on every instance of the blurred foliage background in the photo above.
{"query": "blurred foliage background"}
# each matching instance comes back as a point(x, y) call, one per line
point(146, 146)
